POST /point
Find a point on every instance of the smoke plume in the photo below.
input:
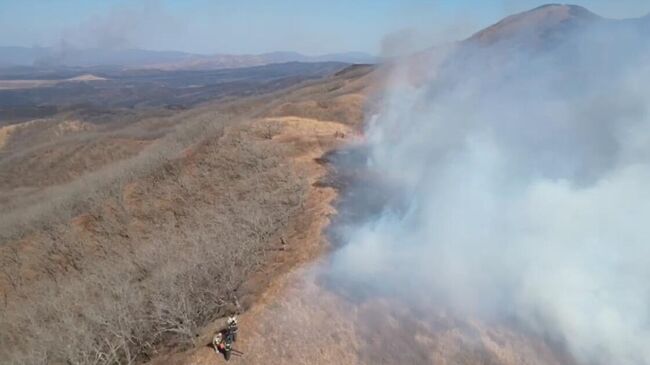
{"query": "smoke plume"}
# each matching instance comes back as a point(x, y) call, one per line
point(146, 23)
point(520, 184)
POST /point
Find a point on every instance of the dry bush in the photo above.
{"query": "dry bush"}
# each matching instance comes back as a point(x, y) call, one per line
point(268, 129)
point(208, 203)
point(159, 288)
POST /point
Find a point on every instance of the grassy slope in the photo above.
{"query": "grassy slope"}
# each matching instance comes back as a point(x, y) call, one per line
point(146, 246)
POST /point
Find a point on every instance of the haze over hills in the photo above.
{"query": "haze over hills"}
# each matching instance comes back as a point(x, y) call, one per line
point(166, 60)
point(546, 24)
point(236, 61)
point(540, 23)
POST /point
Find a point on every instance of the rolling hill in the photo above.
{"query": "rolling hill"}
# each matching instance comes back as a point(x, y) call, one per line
point(48, 57)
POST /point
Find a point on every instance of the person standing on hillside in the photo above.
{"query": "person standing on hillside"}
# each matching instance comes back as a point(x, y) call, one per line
point(232, 327)
point(223, 340)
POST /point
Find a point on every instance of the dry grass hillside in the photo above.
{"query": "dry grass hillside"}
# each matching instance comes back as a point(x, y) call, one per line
point(119, 240)
point(303, 317)
point(343, 99)
point(126, 243)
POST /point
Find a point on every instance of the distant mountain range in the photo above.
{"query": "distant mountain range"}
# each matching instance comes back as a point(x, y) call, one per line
point(165, 60)
point(537, 28)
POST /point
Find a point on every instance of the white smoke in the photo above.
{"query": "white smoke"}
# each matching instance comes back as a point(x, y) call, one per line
point(524, 178)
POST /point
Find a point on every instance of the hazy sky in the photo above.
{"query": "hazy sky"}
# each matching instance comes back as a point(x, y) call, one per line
point(254, 26)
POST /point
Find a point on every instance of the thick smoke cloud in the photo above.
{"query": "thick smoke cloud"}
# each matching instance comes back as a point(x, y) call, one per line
point(524, 190)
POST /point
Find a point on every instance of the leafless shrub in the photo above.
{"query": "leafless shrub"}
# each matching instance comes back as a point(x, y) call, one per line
point(270, 129)
point(156, 289)
point(198, 236)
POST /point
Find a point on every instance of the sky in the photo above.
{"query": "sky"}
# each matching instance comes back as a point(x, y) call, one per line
point(257, 26)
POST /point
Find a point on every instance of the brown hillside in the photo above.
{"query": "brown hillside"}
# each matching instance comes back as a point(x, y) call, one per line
point(114, 255)
point(537, 26)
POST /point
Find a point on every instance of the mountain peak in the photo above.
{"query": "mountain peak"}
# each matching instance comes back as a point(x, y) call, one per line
point(535, 25)
point(575, 10)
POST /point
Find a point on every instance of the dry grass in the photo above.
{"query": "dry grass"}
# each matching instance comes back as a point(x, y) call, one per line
point(343, 99)
point(30, 84)
point(204, 233)
point(5, 133)
point(143, 248)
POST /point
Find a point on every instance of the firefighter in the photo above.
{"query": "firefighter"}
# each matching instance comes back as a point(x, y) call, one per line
point(232, 327)
point(223, 340)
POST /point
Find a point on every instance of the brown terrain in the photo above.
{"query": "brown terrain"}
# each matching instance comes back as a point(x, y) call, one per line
point(128, 243)
point(537, 27)
point(122, 239)
point(127, 238)
point(27, 84)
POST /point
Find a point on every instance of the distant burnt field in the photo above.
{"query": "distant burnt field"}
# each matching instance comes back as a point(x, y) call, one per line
point(104, 90)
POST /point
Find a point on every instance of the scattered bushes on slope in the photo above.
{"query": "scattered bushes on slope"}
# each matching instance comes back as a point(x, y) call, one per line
point(209, 227)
